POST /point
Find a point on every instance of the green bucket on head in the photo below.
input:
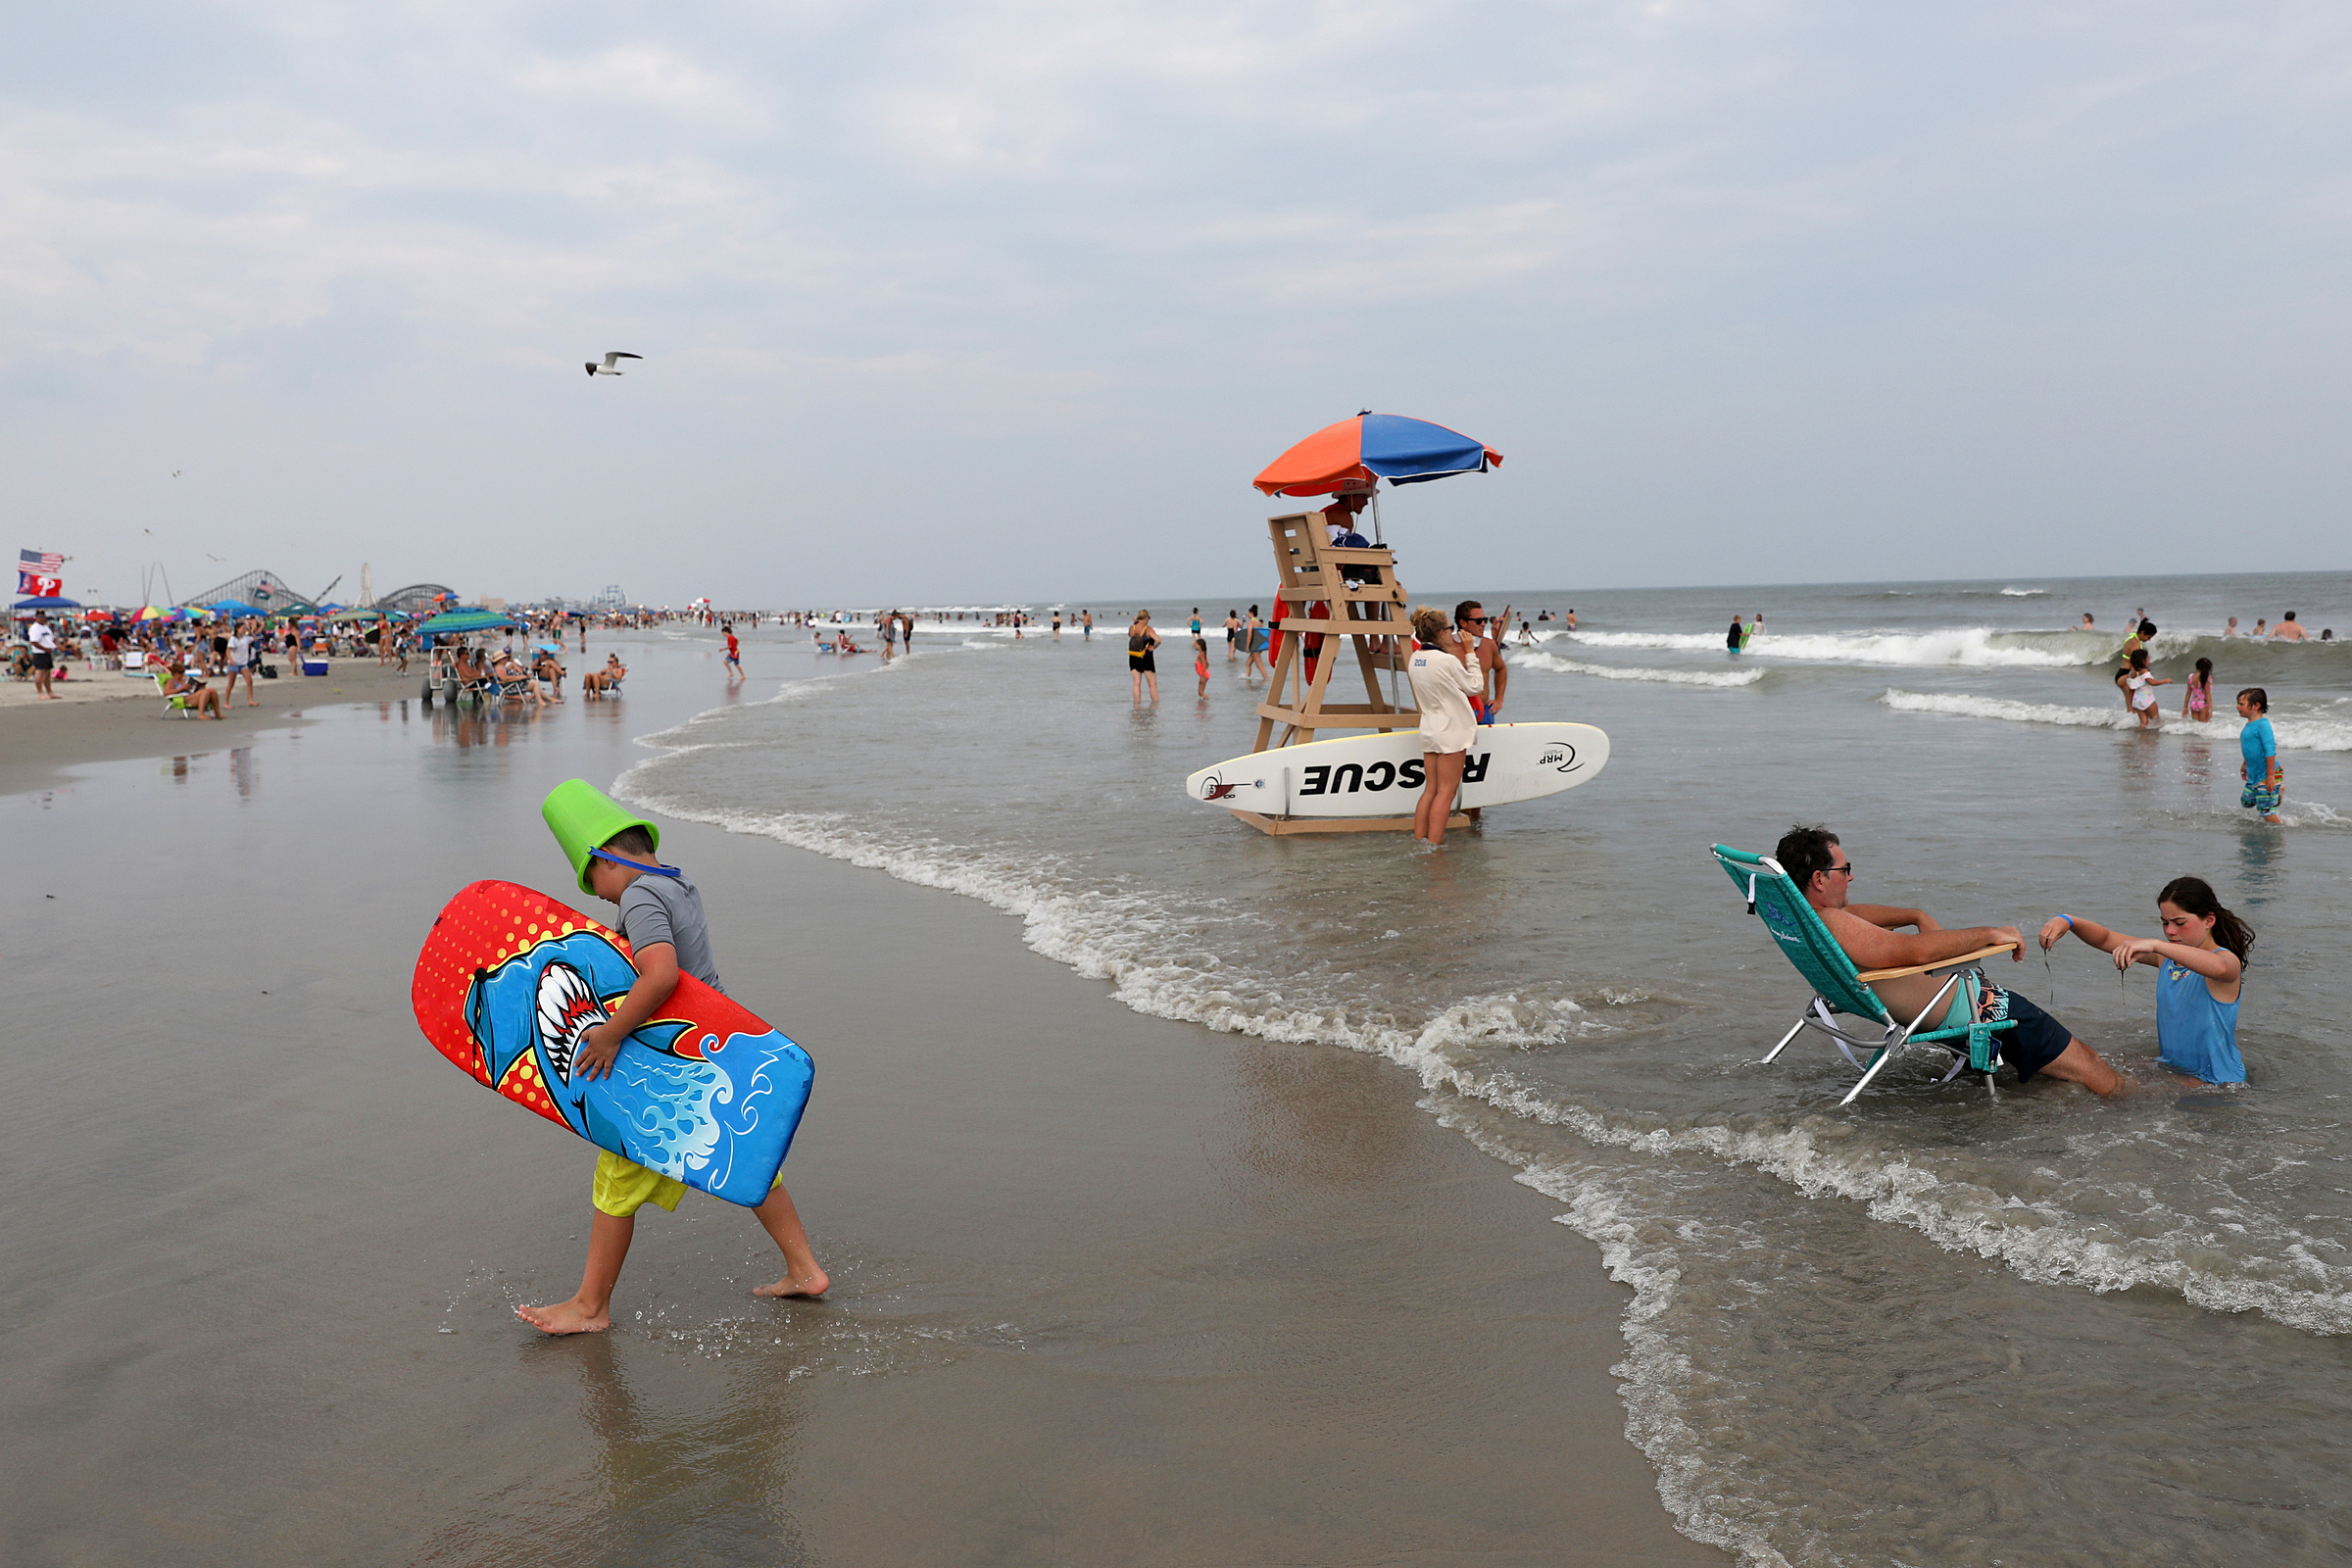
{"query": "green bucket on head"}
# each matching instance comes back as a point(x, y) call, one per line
point(583, 817)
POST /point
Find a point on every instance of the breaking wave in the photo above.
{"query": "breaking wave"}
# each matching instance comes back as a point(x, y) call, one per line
point(2295, 734)
point(1676, 677)
point(1971, 647)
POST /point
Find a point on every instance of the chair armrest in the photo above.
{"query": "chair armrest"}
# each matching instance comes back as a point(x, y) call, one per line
point(1869, 975)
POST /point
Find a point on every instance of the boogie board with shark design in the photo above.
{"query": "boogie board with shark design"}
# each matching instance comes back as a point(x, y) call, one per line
point(509, 981)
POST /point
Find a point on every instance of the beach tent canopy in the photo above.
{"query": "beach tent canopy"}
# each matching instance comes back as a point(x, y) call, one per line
point(51, 603)
point(235, 607)
point(357, 615)
point(458, 622)
point(1357, 454)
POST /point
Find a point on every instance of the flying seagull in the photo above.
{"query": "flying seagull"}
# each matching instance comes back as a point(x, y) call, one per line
point(611, 367)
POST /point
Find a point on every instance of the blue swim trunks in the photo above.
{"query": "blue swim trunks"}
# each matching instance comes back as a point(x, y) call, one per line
point(2262, 797)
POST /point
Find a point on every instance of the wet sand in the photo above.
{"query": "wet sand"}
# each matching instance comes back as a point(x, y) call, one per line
point(1107, 1289)
point(103, 716)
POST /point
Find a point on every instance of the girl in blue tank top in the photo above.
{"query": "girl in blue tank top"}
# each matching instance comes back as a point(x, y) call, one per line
point(2200, 971)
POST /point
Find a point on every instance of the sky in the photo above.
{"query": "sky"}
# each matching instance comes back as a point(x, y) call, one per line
point(1009, 299)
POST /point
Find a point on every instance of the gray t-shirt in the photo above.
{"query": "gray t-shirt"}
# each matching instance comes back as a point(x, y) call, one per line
point(668, 909)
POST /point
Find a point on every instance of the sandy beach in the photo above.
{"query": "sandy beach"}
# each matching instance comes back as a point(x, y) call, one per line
point(1108, 1288)
point(102, 715)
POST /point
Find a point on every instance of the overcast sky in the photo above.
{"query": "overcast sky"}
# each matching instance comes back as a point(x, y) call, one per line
point(981, 300)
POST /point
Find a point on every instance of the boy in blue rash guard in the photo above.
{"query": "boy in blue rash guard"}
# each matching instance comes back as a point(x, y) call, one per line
point(2201, 967)
point(616, 856)
point(2265, 783)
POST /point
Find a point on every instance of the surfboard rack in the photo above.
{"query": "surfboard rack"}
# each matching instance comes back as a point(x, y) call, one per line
point(1344, 593)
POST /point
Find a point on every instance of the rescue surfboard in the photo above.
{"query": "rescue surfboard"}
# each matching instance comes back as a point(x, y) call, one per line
point(509, 981)
point(1380, 775)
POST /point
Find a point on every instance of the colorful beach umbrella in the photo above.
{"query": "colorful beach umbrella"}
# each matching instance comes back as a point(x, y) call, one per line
point(1355, 454)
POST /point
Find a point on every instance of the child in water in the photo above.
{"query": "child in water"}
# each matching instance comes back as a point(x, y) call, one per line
point(2198, 704)
point(2259, 745)
point(1200, 660)
point(2140, 684)
point(614, 857)
point(2200, 962)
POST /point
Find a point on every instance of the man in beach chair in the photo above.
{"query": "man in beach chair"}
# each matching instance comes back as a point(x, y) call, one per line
point(1873, 971)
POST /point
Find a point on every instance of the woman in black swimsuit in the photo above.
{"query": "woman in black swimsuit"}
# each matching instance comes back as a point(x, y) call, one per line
point(1142, 641)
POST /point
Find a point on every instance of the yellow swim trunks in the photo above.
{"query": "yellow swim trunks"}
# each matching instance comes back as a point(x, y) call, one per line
point(623, 1187)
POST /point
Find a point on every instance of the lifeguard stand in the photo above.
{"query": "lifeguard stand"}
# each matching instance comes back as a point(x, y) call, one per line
point(1333, 592)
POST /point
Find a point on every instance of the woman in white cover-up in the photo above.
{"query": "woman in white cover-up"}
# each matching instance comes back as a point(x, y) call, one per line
point(1443, 686)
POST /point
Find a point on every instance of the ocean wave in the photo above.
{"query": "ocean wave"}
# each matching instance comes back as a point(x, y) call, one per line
point(2023, 593)
point(1676, 677)
point(2295, 733)
point(1974, 647)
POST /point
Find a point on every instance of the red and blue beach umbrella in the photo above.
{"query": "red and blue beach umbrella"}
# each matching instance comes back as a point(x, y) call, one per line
point(1357, 453)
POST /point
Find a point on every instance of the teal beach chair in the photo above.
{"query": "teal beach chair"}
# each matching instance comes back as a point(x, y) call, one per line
point(1839, 987)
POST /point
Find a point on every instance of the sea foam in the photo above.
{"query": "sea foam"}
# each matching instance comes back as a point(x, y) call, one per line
point(2298, 733)
point(1676, 677)
point(1971, 647)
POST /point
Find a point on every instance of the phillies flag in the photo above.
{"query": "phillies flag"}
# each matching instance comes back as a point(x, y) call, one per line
point(40, 573)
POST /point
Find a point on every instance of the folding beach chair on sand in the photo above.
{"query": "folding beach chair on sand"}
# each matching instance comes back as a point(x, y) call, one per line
point(1839, 987)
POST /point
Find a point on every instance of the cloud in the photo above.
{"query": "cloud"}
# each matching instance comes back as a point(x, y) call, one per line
point(1203, 229)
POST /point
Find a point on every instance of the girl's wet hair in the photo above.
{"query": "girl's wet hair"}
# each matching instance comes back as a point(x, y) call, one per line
point(2205, 667)
point(2139, 658)
point(2192, 895)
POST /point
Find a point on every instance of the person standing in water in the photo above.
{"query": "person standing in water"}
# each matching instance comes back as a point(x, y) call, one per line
point(2198, 704)
point(1737, 638)
point(2201, 965)
point(1255, 633)
point(2258, 743)
point(1142, 643)
point(1482, 650)
point(1443, 687)
point(2140, 687)
point(734, 665)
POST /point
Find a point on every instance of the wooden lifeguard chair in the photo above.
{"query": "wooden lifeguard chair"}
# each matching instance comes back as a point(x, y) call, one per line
point(1361, 601)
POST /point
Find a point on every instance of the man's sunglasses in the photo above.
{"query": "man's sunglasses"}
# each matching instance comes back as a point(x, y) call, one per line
point(1473, 620)
point(1848, 868)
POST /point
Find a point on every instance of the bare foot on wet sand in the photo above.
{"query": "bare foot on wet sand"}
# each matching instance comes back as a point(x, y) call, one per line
point(810, 1284)
point(565, 1317)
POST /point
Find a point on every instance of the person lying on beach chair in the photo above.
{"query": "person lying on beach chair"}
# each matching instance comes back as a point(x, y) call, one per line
point(1870, 935)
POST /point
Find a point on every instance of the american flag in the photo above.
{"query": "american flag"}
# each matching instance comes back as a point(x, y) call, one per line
point(40, 563)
